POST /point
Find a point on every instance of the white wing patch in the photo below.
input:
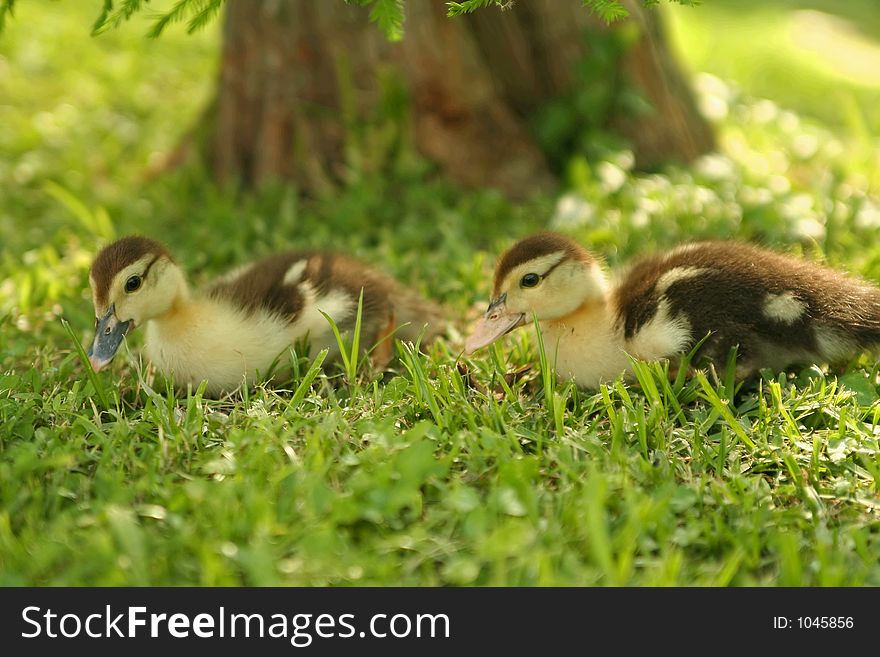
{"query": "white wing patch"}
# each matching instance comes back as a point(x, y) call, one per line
point(662, 337)
point(686, 248)
point(338, 304)
point(677, 274)
point(294, 274)
point(784, 307)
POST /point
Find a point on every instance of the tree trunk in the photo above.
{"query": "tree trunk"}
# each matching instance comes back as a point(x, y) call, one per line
point(299, 79)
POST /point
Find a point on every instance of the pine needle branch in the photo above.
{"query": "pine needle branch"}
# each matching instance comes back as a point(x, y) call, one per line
point(6, 7)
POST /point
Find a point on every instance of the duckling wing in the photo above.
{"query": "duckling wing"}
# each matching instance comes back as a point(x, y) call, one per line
point(272, 284)
point(291, 285)
point(776, 309)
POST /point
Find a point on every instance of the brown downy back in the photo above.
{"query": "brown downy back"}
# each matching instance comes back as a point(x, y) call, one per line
point(263, 285)
point(729, 294)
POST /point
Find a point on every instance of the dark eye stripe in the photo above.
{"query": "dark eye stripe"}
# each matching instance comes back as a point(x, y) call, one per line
point(147, 270)
point(141, 278)
point(546, 273)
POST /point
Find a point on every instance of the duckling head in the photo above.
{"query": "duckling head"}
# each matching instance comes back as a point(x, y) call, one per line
point(547, 276)
point(133, 280)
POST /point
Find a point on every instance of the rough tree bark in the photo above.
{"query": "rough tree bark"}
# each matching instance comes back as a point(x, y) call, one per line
point(295, 73)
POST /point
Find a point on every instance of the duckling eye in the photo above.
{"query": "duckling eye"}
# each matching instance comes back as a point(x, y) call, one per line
point(529, 280)
point(132, 283)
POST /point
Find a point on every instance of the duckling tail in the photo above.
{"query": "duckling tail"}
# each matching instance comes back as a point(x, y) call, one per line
point(851, 324)
point(867, 326)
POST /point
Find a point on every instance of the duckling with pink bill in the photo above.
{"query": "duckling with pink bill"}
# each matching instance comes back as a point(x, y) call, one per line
point(235, 330)
point(777, 310)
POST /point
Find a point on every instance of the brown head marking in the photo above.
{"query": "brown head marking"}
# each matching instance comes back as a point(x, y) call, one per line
point(115, 257)
point(535, 246)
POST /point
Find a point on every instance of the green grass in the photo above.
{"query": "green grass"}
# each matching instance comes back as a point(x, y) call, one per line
point(444, 470)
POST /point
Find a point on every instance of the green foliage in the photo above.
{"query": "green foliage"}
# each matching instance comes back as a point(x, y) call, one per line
point(6, 9)
point(608, 10)
point(387, 14)
point(468, 6)
point(198, 12)
point(112, 16)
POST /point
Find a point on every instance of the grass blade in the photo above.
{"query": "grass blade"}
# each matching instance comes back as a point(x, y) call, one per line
point(711, 395)
point(93, 377)
point(305, 383)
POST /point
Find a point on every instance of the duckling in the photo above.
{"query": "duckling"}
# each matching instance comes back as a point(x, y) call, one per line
point(235, 330)
point(777, 310)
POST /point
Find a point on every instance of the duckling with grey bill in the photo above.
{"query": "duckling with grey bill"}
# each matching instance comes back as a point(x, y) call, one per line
point(235, 330)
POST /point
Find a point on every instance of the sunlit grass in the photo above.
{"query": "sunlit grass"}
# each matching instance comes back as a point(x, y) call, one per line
point(820, 58)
